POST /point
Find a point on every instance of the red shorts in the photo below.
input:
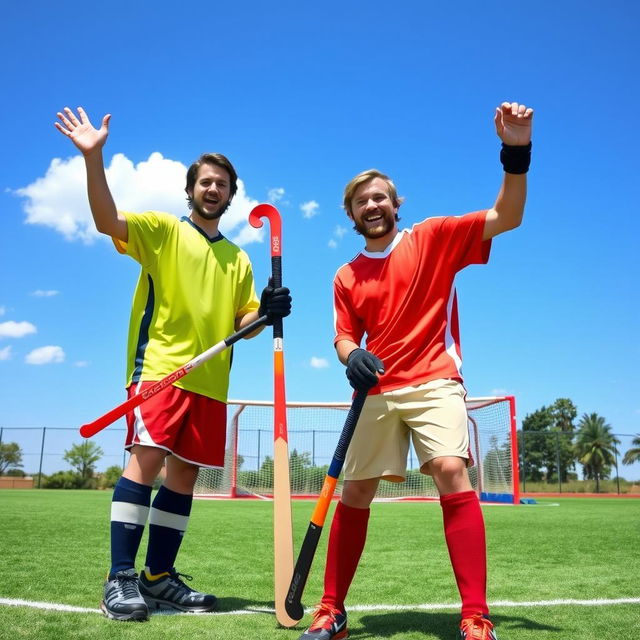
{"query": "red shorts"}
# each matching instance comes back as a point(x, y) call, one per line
point(189, 425)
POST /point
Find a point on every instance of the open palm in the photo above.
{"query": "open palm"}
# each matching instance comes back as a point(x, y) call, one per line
point(80, 130)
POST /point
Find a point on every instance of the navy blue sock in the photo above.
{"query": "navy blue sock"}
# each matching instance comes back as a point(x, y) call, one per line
point(168, 521)
point(129, 511)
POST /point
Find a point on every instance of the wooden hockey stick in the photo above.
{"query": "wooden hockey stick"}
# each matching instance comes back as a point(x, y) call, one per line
point(282, 525)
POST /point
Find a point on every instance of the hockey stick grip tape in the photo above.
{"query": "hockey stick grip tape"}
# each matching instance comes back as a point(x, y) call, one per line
point(276, 275)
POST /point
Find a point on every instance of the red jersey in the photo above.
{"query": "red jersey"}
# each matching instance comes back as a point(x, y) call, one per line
point(404, 299)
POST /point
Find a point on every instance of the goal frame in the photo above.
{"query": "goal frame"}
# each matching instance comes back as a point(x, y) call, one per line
point(472, 403)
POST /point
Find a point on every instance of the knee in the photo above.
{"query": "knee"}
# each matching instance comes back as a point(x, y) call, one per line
point(449, 474)
point(181, 476)
point(144, 464)
point(359, 493)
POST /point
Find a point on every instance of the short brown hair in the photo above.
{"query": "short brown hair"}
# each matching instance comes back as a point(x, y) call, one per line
point(366, 176)
point(216, 159)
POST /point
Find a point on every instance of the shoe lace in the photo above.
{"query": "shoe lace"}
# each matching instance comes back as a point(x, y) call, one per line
point(324, 616)
point(177, 578)
point(477, 628)
point(128, 585)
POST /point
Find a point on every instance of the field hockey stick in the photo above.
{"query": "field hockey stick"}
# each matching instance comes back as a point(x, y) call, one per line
point(282, 524)
point(300, 574)
point(91, 428)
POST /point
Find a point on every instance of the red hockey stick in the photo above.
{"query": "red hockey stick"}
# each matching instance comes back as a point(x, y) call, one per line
point(91, 428)
point(282, 525)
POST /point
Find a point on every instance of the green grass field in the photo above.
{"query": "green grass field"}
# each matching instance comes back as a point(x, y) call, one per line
point(55, 549)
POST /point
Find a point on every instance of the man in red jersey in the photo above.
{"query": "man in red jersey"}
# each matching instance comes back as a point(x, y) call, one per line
point(400, 292)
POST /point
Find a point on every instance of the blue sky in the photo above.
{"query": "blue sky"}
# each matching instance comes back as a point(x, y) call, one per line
point(302, 97)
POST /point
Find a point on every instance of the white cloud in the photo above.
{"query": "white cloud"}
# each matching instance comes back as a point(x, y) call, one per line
point(13, 329)
point(236, 219)
point(81, 363)
point(319, 363)
point(45, 355)
point(338, 234)
point(40, 293)
point(5, 354)
point(309, 209)
point(59, 199)
point(276, 194)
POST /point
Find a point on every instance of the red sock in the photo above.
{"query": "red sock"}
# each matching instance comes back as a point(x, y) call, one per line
point(346, 542)
point(464, 532)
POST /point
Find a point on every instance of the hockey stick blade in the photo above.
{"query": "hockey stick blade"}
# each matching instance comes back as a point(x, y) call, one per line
point(91, 428)
point(293, 602)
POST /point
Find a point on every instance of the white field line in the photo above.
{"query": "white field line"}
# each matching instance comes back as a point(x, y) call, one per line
point(52, 606)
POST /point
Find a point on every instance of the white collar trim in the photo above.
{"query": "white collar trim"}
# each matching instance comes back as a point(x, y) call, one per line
point(390, 247)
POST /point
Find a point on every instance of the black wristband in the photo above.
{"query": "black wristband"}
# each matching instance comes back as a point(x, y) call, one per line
point(515, 158)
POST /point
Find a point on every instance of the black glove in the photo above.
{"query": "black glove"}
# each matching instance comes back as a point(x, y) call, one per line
point(362, 369)
point(274, 302)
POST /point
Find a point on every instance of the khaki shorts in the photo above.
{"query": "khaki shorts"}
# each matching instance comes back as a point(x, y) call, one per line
point(433, 414)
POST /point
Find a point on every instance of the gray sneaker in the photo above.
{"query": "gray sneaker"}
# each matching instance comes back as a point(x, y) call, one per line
point(171, 592)
point(122, 599)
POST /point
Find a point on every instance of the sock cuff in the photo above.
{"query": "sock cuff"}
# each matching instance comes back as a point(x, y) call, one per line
point(129, 491)
point(452, 499)
point(172, 502)
point(353, 513)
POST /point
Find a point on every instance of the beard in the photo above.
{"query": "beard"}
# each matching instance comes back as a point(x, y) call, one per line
point(384, 227)
point(214, 215)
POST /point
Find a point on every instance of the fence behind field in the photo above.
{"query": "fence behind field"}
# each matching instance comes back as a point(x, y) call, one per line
point(43, 450)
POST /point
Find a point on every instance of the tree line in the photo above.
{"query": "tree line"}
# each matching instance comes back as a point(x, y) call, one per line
point(82, 459)
point(551, 444)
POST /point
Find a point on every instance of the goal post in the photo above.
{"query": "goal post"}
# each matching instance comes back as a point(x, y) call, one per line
point(314, 429)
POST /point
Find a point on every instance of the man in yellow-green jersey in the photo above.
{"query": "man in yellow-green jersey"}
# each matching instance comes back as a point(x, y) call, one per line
point(195, 288)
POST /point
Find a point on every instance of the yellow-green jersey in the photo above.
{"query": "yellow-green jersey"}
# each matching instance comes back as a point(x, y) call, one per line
point(190, 291)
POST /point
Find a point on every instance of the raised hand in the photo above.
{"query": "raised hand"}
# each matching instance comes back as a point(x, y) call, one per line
point(513, 123)
point(81, 132)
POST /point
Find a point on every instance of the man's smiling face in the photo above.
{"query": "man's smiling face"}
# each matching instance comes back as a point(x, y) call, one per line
point(211, 191)
point(372, 209)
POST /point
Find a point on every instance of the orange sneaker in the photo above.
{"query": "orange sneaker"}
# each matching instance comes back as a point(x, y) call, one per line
point(477, 628)
point(328, 623)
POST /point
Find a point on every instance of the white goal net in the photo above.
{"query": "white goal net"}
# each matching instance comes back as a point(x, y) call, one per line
point(313, 433)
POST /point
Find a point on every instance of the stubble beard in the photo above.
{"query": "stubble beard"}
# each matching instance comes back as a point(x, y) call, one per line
point(197, 209)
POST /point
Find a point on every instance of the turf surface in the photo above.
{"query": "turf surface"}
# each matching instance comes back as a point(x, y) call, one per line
point(55, 549)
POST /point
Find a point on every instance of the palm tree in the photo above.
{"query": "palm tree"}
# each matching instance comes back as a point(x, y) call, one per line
point(595, 446)
point(633, 454)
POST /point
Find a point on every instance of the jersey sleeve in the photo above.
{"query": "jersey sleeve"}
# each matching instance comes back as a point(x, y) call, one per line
point(146, 234)
point(460, 238)
point(247, 298)
point(346, 323)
